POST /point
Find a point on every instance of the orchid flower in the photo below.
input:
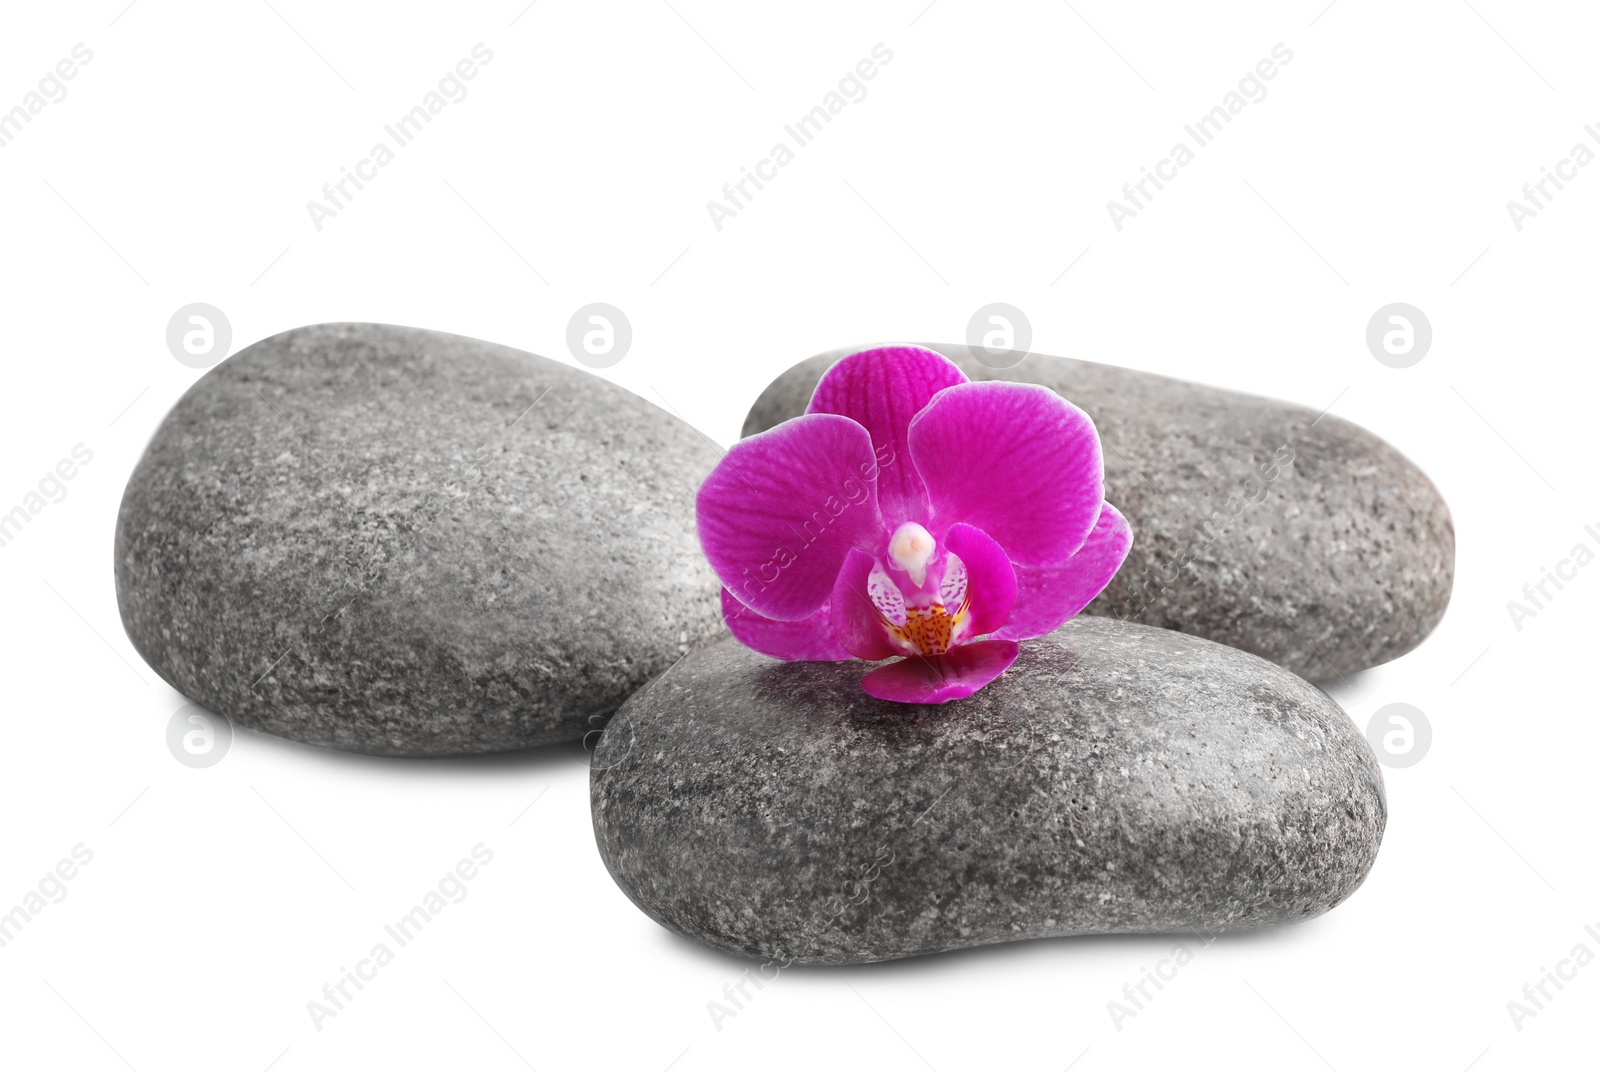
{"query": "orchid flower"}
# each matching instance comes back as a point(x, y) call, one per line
point(912, 513)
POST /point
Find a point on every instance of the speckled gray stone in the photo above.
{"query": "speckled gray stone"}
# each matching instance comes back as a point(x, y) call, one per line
point(1116, 779)
point(1338, 561)
point(403, 542)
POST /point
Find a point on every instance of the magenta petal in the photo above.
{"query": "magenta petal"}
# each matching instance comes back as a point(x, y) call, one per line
point(991, 581)
point(1014, 459)
point(782, 509)
point(882, 390)
point(1049, 595)
point(856, 621)
point(809, 640)
point(934, 679)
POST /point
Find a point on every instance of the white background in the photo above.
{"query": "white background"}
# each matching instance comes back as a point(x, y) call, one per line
point(220, 901)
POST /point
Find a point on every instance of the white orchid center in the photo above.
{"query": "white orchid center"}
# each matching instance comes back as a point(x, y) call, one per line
point(911, 547)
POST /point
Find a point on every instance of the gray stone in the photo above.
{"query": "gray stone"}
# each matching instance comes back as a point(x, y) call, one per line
point(1116, 779)
point(404, 542)
point(1335, 562)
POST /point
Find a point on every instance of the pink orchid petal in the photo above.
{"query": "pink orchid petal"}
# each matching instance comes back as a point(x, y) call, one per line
point(1047, 596)
point(934, 679)
point(809, 640)
point(882, 390)
point(1014, 459)
point(782, 509)
point(856, 620)
point(991, 581)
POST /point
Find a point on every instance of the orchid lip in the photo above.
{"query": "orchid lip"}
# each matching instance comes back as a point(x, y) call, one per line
point(927, 620)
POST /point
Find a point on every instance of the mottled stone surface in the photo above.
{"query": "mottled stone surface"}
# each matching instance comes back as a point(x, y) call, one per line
point(1116, 779)
point(1337, 560)
point(404, 542)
